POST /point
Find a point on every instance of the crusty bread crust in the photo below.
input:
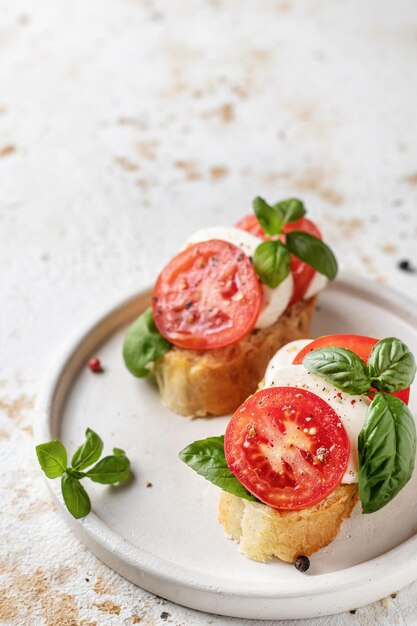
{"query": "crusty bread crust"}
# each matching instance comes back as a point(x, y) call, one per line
point(263, 532)
point(215, 382)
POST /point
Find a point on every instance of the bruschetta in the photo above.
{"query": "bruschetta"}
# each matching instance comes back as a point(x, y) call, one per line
point(222, 307)
point(328, 427)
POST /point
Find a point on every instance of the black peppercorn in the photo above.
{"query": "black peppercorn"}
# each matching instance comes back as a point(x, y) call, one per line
point(302, 563)
point(406, 266)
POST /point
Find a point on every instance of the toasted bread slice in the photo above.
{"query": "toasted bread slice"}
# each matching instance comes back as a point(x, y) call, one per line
point(263, 532)
point(215, 382)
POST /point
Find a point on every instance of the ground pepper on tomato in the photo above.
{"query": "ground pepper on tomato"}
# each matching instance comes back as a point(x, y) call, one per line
point(207, 297)
point(287, 447)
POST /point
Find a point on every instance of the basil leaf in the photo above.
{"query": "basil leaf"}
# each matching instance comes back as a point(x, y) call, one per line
point(272, 262)
point(269, 218)
point(89, 452)
point(52, 458)
point(291, 209)
point(119, 452)
point(75, 496)
point(386, 451)
point(340, 367)
point(111, 469)
point(207, 458)
point(391, 365)
point(75, 473)
point(312, 251)
point(143, 345)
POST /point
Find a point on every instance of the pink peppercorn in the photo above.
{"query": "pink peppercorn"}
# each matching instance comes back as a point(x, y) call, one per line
point(95, 365)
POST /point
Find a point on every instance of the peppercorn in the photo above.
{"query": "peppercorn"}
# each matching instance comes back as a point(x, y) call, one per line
point(406, 266)
point(95, 365)
point(302, 563)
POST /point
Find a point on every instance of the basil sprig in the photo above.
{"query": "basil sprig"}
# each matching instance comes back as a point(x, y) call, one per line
point(391, 367)
point(386, 451)
point(272, 218)
point(143, 344)
point(207, 458)
point(340, 367)
point(272, 262)
point(52, 457)
point(306, 247)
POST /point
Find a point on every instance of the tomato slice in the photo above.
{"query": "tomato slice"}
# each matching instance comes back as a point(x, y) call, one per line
point(301, 272)
point(251, 225)
point(208, 296)
point(359, 344)
point(288, 447)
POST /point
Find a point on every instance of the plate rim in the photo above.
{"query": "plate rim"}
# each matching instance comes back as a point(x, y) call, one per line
point(114, 550)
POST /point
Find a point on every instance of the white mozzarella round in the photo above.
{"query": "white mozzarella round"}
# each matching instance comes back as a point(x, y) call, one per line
point(275, 301)
point(286, 354)
point(318, 283)
point(350, 409)
point(238, 237)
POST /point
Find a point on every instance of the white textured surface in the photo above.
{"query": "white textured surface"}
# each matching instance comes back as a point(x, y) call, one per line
point(126, 125)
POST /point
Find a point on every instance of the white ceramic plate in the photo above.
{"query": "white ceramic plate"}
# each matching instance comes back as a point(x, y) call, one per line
point(166, 538)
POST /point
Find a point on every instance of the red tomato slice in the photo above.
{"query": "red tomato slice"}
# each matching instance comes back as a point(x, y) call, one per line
point(358, 344)
point(208, 296)
point(251, 225)
point(288, 447)
point(301, 272)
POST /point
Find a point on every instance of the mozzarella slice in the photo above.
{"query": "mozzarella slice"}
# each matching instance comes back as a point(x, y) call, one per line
point(350, 409)
point(275, 301)
point(287, 354)
point(318, 283)
point(238, 237)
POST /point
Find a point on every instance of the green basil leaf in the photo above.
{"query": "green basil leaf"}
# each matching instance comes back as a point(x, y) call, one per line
point(340, 367)
point(75, 496)
point(291, 209)
point(111, 469)
point(207, 458)
point(269, 218)
point(119, 452)
point(89, 452)
point(391, 365)
point(143, 345)
point(386, 451)
point(75, 473)
point(312, 251)
point(272, 262)
point(52, 458)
